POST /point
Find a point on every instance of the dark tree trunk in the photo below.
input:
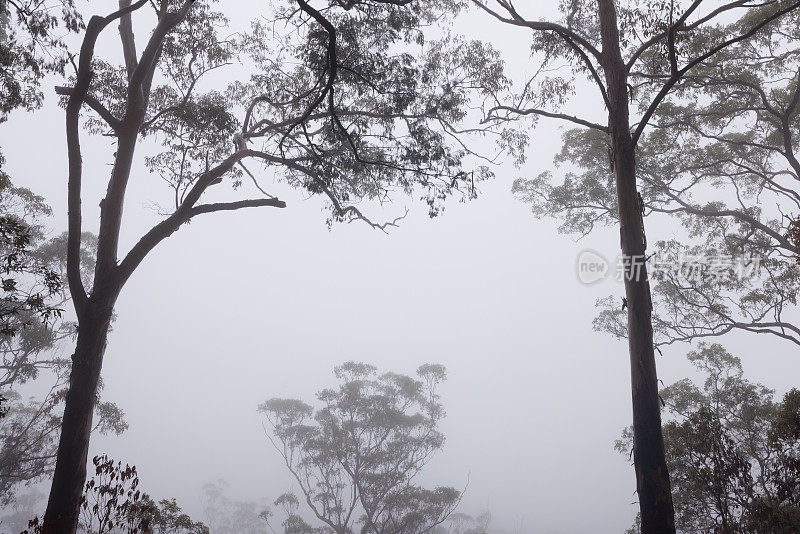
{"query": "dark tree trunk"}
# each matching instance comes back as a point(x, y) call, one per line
point(95, 311)
point(69, 477)
point(652, 477)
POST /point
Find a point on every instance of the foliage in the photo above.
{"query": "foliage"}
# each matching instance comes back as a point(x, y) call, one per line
point(720, 157)
point(29, 282)
point(166, 517)
point(111, 499)
point(355, 459)
point(112, 503)
point(32, 339)
point(732, 450)
point(355, 102)
point(31, 45)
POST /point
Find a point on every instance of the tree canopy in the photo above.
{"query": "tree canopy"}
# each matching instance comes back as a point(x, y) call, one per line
point(355, 459)
point(31, 46)
point(350, 101)
point(720, 158)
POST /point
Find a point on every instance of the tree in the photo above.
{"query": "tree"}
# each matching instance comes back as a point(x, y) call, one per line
point(226, 516)
point(29, 435)
point(728, 128)
point(335, 109)
point(732, 450)
point(166, 517)
point(459, 523)
point(30, 47)
point(355, 459)
point(617, 46)
point(16, 516)
point(32, 337)
point(32, 333)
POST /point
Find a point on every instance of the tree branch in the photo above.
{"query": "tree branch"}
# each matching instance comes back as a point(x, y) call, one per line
point(232, 206)
point(128, 40)
point(83, 80)
point(543, 113)
point(95, 104)
point(517, 20)
point(675, 78)
point(170, 225)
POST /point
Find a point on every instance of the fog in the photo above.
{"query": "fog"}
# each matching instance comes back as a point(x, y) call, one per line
point(237, 308)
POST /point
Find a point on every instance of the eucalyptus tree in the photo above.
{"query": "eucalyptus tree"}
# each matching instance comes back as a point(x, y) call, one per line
point(634, 54)
point(356, 458)
point(348, 101)
point(722, 159)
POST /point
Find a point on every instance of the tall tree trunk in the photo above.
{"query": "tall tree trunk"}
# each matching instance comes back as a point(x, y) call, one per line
point(652, 476)
point(69, 477)
point(95, 311)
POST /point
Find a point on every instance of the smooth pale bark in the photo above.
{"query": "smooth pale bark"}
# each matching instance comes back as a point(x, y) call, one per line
point(652, 476)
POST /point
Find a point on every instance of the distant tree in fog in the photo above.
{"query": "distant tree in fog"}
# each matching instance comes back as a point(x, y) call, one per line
point(17, 515)
point(166, 517)
point(355, 459)
point(459, 523)
point(227, 516)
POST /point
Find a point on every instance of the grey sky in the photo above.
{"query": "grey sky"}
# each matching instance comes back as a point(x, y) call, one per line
point(237, 308)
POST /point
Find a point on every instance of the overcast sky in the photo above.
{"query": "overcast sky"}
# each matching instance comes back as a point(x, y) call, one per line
point(241, 307)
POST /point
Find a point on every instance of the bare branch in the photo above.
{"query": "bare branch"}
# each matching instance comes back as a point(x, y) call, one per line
point(543, 113)
point(232, 206)
point(83, 80)
point(96, 105)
